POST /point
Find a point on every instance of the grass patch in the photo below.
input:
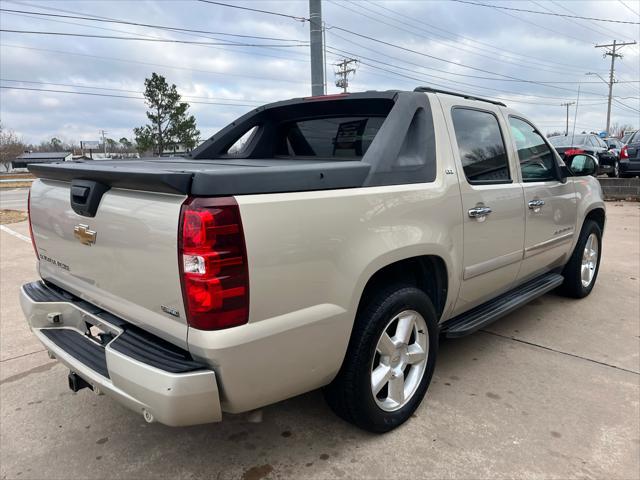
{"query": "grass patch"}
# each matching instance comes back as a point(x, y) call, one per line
point(14, 184)
point(12, 216)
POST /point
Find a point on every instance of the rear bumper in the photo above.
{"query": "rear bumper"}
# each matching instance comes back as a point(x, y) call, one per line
point(632, 166)
point(141, 372)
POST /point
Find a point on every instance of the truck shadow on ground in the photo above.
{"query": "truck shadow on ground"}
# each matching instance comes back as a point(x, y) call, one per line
point(296, 438)
point(298, 435)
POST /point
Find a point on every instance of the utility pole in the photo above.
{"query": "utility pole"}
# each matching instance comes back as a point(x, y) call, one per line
point(317, 47)
point(104, 144)
point(343, 71)
point(567, 104)
point(613, 54)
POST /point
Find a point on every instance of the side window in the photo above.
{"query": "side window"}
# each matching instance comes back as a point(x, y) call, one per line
point(536, 158)
point(481, 146)
point(239, 145)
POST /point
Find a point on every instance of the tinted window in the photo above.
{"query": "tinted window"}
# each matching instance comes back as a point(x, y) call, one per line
point(346, 137)
point(537, 161)
point(627, 137)
point(481, 146)
point(568, 140)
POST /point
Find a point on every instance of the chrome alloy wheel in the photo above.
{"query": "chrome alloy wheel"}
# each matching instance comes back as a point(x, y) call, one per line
point(589, 260)
point(400, 360)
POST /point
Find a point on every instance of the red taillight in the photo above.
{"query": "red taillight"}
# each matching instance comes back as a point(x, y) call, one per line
point(573, 151)
point(320, 98)
point(624, 154)
point(213, 263)
point(33, 239)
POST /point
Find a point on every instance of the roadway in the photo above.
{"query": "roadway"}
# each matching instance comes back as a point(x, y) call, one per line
point(549, 391)
point(14, 198)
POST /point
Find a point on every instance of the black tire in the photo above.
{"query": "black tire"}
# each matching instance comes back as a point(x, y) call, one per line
point(350, 395)
point(616, 170)
point(572, 286)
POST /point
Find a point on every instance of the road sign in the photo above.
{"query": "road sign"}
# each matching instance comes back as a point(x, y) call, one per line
point(89, 145)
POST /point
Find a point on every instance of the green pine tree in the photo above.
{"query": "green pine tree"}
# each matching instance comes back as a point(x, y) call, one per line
point(170, 122)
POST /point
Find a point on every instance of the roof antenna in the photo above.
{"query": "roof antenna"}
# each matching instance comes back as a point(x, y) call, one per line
point(575, 115)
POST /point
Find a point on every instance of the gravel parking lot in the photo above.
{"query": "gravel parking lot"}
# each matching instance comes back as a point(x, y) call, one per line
point(551, 391)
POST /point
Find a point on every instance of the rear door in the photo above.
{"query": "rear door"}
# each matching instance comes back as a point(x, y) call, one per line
point(549, 203)
point(492, 202)
point(124, 259)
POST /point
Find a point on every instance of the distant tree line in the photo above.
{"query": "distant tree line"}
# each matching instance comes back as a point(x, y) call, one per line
point(170, 129)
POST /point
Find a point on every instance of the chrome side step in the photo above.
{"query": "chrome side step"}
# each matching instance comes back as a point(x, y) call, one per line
point(482, 315)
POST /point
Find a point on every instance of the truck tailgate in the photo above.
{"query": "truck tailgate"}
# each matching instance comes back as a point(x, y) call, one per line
point(131, 269)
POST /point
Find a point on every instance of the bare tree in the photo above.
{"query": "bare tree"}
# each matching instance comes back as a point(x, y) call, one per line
point(617, 129)
point(11, 146)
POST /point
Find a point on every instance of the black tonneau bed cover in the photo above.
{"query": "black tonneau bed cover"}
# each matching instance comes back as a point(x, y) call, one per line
point(402, 151)
point(211, 177)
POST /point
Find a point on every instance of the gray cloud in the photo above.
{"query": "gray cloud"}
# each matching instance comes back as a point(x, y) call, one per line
point(555, 49)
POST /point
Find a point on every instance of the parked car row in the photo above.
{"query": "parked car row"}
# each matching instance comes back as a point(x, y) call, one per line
point(616, 157)
point(570, 145)
point(630, 156)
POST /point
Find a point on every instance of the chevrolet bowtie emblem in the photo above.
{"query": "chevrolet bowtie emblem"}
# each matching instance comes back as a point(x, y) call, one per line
point(84, 234)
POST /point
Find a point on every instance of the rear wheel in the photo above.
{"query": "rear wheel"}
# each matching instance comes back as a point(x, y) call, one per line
point(582, 270)
point(389, 362)
point(616, 170)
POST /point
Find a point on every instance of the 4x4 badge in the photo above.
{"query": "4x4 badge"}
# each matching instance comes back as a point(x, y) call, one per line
point(84, 234)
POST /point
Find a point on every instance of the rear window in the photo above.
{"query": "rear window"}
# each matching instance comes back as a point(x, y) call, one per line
point(568, 140)
point(333, 137)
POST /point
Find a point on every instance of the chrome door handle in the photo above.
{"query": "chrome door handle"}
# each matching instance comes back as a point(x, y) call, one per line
point(479, 213)
point(536, 205)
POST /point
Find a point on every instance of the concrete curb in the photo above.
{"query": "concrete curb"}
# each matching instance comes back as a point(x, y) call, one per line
point(620, 188)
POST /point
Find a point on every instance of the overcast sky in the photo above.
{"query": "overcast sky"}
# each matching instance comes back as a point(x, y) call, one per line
point(480, 50)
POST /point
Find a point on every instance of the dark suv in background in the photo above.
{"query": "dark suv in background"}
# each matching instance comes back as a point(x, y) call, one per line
point(630, 156)
point(570, 145)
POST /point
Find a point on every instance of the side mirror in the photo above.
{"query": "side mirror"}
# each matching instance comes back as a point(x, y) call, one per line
point(583, 165)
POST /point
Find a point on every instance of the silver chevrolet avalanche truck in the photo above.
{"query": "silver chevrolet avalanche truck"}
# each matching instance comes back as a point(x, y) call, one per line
point(317, 242)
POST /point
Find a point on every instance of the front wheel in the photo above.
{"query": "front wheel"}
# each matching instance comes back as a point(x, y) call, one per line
point(582, 270)
point(616, 170)
point(389, 361)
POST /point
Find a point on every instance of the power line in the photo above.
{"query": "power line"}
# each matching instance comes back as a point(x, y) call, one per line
point(500, 49)
point(148, 25)
point(546, 13)
point(138, 62)
point(600, 28)
point(628, 7)
point(157, 40)
point(71, 85)
point(484, 77)
point(268, 12)
point(443, 71)
point(430, 36)
point(235, 50)
point(416, 52)
point(93, 94)
point(460, 64)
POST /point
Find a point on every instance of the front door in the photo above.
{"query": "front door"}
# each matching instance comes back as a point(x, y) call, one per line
point(493, 205)
point(550, 203)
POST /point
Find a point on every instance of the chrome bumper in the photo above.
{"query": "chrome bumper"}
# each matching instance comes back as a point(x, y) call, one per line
point(174, 399)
